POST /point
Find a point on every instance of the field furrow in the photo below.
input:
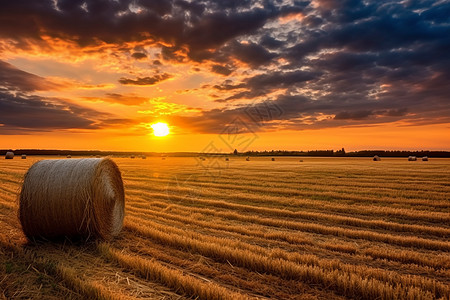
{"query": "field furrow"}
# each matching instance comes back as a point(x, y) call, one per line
point(342, 228)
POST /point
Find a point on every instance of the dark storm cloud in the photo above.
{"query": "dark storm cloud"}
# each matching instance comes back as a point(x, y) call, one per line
point(145, 80)
point(354, 115)
point(227, 86)
point(353, 61)
point(139, 55)
point(12, 78)
point(250, 53)
point(270, 42)
point(300, 112)
point(221, 70)
point(21, 112)
point(259, 85)
point(93, 22)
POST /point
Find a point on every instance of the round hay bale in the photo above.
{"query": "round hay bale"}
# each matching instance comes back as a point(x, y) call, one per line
point(77, 198)
point(69, 156)
point(425, 158)
point(273, 158)
point(248, 158)
point(9, 155)
point(227, 159)
point(24, 156)
point(376, 158)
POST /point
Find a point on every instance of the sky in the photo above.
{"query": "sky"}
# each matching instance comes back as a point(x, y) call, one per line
point(225, 75)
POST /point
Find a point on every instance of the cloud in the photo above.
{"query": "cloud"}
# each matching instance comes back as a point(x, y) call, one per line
point(184, 25)
point(354, 115)
point(125, 99)
point(12, 78)
point(21, 113)
point(221, 70)
point(250, 53)
point(337, 63)
point(300, 112)
point(261, 84)
point(145, 80)
point(139, 55)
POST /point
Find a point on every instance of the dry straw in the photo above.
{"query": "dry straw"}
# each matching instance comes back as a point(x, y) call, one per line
point(77, 198)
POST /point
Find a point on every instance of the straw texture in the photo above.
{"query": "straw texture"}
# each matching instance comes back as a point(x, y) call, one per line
point(76, 198)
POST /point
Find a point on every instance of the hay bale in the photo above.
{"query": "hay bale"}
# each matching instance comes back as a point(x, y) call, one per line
point(132, 156)
point(144, 157)
point(301, 160)
point(69, 156)
point(425, 158)
point(376, 158)
point(227, 159)
point(412, 158)
point(248, 158)
point(273, 158)
point(24, 156)
point(9, 155)
point(79, 198)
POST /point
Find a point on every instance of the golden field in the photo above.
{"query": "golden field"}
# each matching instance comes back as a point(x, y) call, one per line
point(324, 228)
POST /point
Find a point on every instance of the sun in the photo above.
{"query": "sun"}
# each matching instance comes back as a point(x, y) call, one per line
point(160, 129)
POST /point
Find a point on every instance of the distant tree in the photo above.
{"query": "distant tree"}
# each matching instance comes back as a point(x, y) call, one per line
point(235, 152)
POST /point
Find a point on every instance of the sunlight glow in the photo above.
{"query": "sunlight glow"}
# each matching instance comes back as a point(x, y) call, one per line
point(160, 129)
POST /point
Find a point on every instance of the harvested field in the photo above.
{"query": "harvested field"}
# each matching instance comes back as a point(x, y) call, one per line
point(326, 228)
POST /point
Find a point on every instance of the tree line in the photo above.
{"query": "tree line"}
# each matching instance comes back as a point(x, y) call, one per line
point(322, 153)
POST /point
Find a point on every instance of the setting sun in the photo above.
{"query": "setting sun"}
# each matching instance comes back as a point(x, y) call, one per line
point(160, 129)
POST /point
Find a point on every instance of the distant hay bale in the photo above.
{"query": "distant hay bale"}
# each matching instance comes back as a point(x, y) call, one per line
point(9, 155)
point(78, 198)
point(248, 158)
point(273, 158)
point(425, 158)
point(163, 158)
point(227, 159)
point(412, 158)
point(301, 160)
point(24, 156)
point(69, 156)
point(376, 158)
point(144, 157)
point(132, 156)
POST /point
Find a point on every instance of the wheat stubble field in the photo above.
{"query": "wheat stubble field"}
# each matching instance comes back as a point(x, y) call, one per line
point(324, 228)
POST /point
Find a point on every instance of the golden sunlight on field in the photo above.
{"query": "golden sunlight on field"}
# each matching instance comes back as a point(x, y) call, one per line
point(211, 228)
